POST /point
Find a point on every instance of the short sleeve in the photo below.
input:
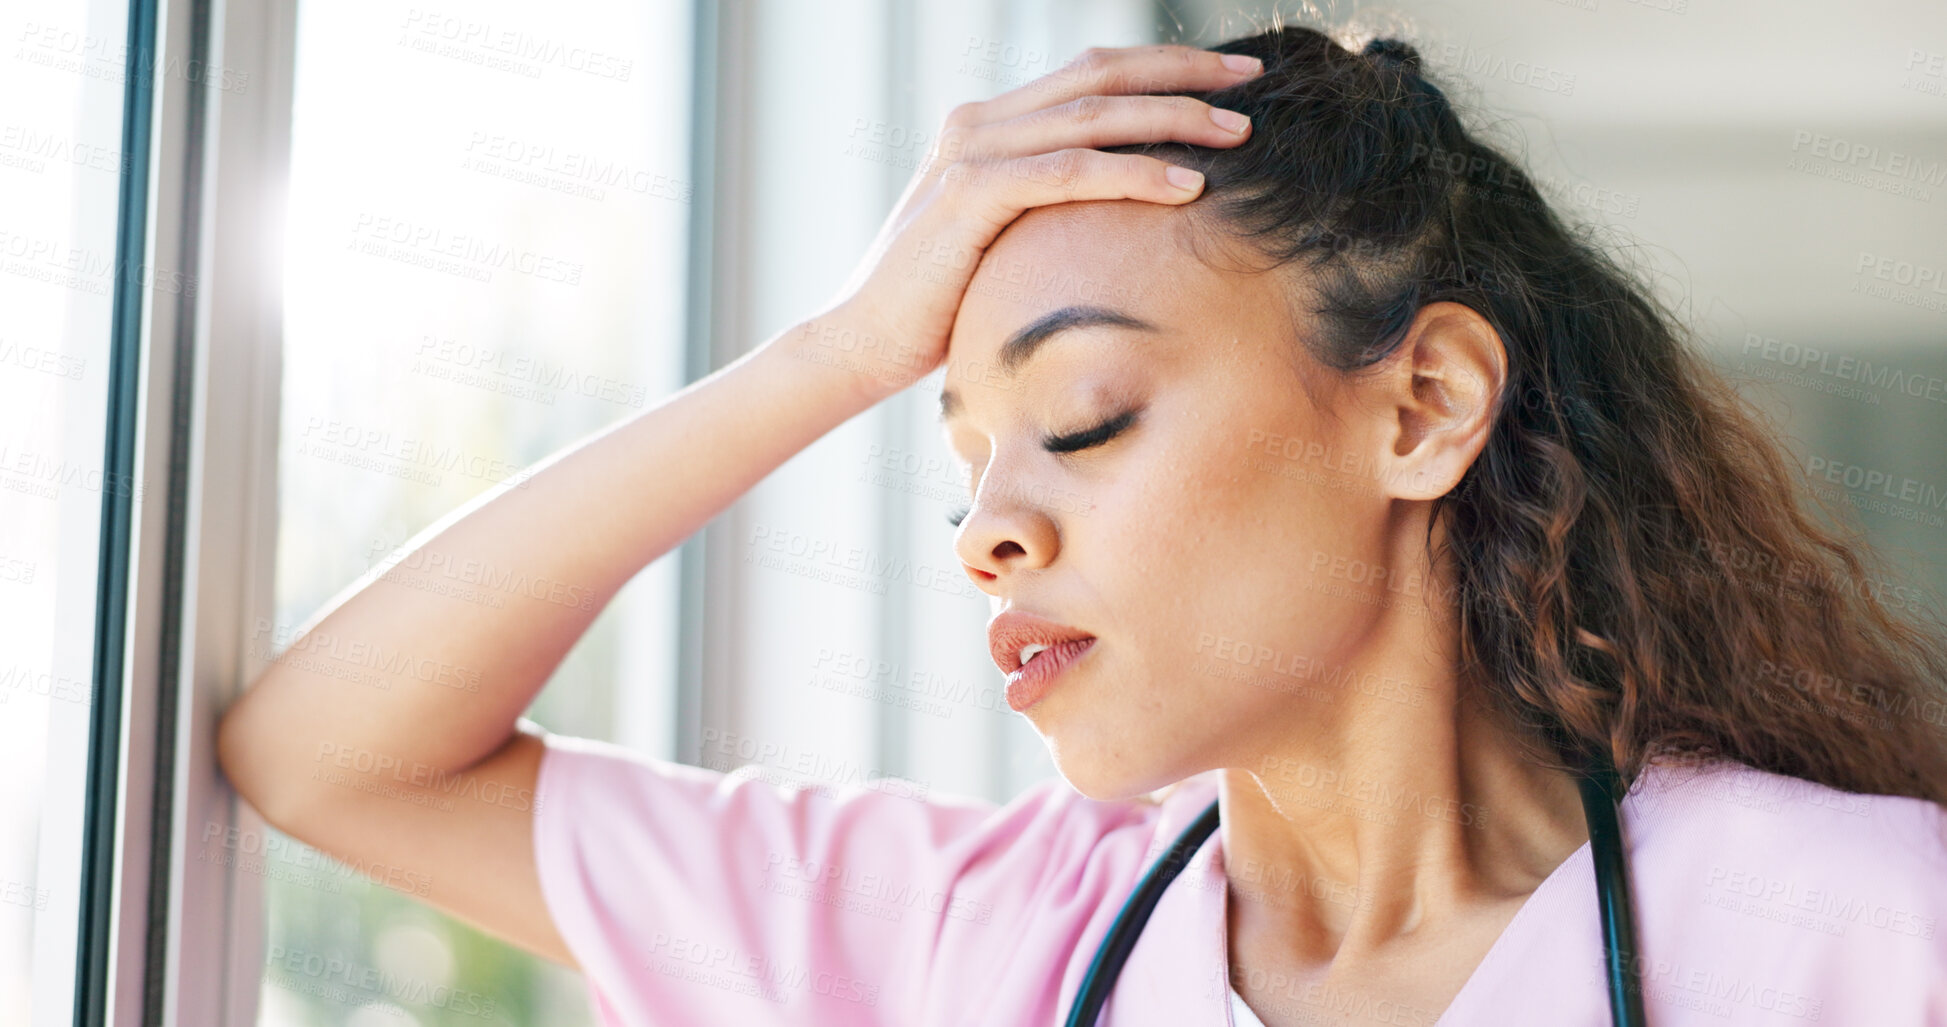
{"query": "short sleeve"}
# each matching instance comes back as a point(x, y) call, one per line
point(689, 895)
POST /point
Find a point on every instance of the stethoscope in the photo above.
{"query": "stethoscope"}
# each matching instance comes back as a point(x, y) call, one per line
point(1601, 790)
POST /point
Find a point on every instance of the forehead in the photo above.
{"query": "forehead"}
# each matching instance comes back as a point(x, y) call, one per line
point(1124, 255)
point(1151, 262)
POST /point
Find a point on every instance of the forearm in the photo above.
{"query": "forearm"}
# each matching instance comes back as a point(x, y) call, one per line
point(431, 656)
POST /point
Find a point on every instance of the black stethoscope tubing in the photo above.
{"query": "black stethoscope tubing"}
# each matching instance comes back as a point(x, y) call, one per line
point(1601, 791)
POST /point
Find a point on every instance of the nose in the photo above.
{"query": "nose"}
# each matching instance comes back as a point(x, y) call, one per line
point(1004, 532)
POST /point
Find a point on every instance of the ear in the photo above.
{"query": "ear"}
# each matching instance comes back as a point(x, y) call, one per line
point(1438, 392)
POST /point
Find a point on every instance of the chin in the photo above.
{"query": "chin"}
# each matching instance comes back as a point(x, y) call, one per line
point(1100, 750)
point(1103, 778)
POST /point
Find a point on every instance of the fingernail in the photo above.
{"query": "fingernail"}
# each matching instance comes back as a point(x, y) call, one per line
point(1229, 120)
point(1243, 63)
point(1183, 178)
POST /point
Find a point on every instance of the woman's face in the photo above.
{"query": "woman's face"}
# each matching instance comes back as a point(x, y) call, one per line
point(1228, 548)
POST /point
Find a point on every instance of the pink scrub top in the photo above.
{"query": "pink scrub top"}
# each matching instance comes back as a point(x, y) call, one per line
point(695, 897)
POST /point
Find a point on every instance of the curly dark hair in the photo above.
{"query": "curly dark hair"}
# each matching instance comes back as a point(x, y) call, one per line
point(1636, 576)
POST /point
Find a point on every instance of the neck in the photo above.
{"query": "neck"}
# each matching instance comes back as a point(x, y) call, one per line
point(1352, 832)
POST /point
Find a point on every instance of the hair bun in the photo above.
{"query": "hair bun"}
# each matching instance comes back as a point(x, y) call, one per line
point(1394, 50)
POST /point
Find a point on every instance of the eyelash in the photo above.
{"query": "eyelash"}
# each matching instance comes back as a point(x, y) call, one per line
point(1095, 436)
point(1063, 444)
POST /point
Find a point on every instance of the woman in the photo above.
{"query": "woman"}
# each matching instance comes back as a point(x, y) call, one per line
point(1337, 482)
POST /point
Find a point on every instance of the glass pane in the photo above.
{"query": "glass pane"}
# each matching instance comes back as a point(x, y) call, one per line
point(488, 217)
point(60, 162)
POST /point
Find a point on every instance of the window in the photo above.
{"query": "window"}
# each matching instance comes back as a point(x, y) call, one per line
point(488, 214)
point(62, 160)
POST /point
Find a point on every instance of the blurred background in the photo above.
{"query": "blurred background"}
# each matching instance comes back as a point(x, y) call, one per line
point(511, 225)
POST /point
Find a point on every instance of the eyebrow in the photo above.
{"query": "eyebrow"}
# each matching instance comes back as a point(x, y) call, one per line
point(1022, 345)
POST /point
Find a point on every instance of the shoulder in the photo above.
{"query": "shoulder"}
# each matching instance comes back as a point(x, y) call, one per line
point(1728, 808)
point(1755, 887)
point(922, 900)
point(1047, 831)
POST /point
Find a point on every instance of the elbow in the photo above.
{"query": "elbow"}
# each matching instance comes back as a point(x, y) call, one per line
point(246, 757)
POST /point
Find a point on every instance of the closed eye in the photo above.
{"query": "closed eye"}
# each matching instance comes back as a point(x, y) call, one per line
point(1076, 442)
point(1092, 437)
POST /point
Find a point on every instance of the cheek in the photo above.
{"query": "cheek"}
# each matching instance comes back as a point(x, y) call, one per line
point(1242, 496)
point(1237, 533)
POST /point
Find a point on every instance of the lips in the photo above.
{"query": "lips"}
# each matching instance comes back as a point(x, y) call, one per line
point(1014, 630)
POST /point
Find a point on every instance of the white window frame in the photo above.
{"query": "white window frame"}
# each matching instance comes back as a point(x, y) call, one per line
point(187, 942)
point(185, 947)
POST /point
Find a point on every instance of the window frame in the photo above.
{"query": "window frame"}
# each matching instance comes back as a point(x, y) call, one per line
point(180, 939)
point(183, 939)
